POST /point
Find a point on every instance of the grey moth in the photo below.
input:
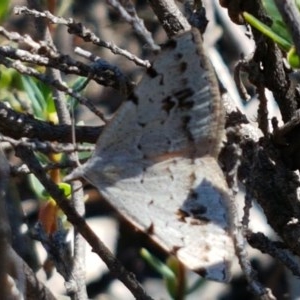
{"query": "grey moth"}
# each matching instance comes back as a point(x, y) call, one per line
point(156, 160)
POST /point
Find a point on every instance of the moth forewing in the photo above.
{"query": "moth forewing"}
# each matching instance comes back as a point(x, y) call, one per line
point(155, 162)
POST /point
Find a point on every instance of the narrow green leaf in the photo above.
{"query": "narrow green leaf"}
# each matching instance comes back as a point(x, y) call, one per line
point(293, 59)
point(267, 31)
point(158, 265)
point(35, 96)
point(278, 26)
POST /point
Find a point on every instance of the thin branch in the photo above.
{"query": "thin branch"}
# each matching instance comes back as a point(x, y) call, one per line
point(5, 230)
point(81, 31)
point(238, 232)
point(251, 276)
point(128, 12)
point(170, 16)
point(43, 54)
point(259, 241)
point(34, 288)
point(17, 125)
point(23, 169)
point(48, 147)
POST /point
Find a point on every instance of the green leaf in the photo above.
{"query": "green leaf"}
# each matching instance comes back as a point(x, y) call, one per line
point(278, 26)
point(293, 59)
point(66, 188)
point(267, 31)
point(37, 188)
point(4, 9)
point(163, 270)
point(35, 96)
point(196, 285)
point(157, 264)
point(78, 85)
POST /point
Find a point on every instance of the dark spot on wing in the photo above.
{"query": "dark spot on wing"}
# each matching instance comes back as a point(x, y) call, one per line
point(182, 97)
point(182, 67)
point(193, 195)
point(197, 212)
point(184, 81)
point(185, 125)
point(161, 81)
point(152, 72)
point(178, 56)
point(134, 99)
point(202, 65)
point(171, 44)
point(181, 215)
point(150, 229)
point(192, 177)
point(207, 248)
point(175, 249)
point(201, 271)
point(168, 104)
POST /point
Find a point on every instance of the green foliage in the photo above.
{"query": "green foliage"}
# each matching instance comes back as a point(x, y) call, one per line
point(40, 97)
point(278, 31)
point(173, 275)
point(278, 26)
point(4, 9)
point(40, 191)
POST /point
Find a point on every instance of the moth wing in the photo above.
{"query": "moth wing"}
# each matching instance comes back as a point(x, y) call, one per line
point(148, 161)
point(175, 108)
point(182, 204)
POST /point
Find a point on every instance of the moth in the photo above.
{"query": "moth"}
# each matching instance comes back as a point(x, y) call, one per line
point(156, 160)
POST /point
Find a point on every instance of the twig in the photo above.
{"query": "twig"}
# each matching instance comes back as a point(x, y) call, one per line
point(238, 231)
point(34, 288)
point(262, 112)
point(259, 241)
point(170, 16)
point(247, 207)
point(100, 66)
point(17, 125)
point(23, 169)
point(127, 11)
point(256, 287)
point(239, 83)
point(5, 232)
point(73, 217)
point(43, 54)
point(81, 31)
point(47, 147)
